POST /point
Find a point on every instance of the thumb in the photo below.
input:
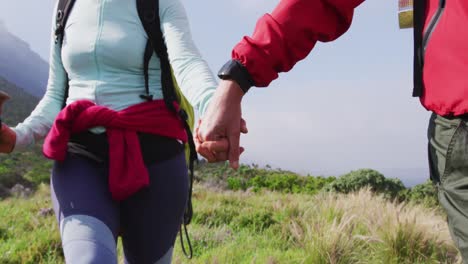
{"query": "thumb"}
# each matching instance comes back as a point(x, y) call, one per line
point(243, 126)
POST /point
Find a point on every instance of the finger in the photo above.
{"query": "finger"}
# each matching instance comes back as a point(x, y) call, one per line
point(221, 156)
point(234, 149)
point(196, 140)
point(202, 150)
point(199, 131)
point(243, 126)
point(207, 154)
point(221, 145)
point(195, 135)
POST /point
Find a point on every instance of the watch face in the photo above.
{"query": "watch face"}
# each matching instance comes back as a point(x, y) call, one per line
point(225, 71)
point(234, 70)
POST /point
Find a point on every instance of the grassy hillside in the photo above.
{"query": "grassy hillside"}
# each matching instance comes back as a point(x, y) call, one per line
point(27, 168)
point(282, 219)
point(267, 227)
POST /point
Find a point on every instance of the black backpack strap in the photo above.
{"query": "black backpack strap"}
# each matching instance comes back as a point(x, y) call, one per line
point(148, 53)
point(63, 11)
point(419, 10)
point(148, 11)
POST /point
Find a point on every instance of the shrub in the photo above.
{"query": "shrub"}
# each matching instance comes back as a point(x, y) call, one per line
point(425, 194)
point(236, 184)
point(356, 180)
point(256, 222)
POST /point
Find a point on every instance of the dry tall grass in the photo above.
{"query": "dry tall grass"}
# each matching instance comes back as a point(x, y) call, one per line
point(325, 228)
point(368, 228)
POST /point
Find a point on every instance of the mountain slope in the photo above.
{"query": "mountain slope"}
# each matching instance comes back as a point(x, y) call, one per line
point(19, 106)
point(20, 65)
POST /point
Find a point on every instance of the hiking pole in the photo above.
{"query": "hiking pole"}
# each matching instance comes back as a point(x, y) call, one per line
point(3, 98)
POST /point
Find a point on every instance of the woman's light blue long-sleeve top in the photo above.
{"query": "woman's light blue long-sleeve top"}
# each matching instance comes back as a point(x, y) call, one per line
point(102, 52)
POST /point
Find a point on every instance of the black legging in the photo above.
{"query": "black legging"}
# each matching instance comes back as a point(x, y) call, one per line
point(148, 221)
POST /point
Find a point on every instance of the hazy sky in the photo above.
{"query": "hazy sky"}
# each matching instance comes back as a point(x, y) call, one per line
point(347, 106)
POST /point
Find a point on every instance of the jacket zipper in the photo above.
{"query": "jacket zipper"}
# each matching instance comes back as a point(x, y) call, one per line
point(432, 25)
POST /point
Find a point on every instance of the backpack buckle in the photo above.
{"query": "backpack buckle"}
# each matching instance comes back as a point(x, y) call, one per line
point(58, 32)
point(59, 15)
point(147, 97)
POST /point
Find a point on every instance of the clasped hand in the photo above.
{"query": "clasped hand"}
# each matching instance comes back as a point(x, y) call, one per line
point(218, 132)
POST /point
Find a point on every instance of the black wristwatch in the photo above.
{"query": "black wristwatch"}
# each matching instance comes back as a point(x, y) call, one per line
point(234, 70)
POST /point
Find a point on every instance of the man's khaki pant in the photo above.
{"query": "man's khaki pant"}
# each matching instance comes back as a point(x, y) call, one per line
point(448, 161)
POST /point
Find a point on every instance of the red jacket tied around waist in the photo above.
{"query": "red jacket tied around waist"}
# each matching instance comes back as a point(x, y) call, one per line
point(127, 171)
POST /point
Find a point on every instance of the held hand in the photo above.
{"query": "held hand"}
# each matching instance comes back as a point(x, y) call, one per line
point(7, 139)
point(216, 151)
point(3, 98)
point(221, 125)
point(7, 135)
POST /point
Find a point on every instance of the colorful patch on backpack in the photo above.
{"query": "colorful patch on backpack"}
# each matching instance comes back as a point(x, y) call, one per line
point(405, 13)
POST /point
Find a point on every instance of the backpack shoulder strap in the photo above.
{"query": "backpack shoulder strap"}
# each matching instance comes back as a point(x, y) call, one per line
point(148, 11)
point(419, 9)
point(63, 11)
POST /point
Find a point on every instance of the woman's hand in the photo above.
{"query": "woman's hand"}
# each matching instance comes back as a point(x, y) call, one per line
point(7, 135)
point(216, 150)
point(7, 139)
point(217, 136)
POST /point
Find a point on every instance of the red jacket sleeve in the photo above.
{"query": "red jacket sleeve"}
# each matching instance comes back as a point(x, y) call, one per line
point(286, 36)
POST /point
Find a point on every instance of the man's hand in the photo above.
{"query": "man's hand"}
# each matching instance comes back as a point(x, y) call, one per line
point(217, 136)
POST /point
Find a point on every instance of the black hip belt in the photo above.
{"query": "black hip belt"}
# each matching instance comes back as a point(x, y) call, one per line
point(154, 148)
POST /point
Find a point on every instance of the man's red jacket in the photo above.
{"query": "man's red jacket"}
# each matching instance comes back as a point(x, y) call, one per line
point(288, 35)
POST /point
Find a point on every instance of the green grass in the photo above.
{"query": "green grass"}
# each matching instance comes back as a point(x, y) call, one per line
point(263, 227)
point(25, 235)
